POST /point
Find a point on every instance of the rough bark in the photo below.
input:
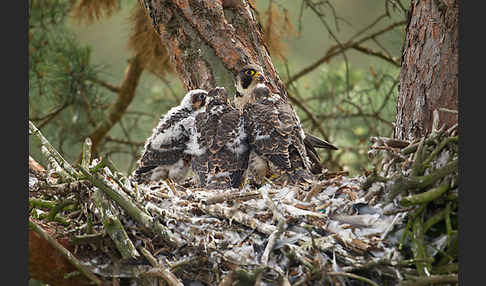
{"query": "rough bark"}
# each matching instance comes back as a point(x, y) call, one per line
point(209, 41)
point(429, 74)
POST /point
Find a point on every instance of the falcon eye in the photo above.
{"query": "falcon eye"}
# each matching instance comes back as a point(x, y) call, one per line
point(202, 96)
point(250, 72)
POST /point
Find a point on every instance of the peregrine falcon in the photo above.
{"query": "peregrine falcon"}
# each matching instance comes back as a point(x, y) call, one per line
point(246, 80)
point(219, 144)
point(165, 153)
point(251, 88)
point(276, 141)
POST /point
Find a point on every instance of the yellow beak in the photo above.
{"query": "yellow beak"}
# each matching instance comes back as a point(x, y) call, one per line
point(258, 76)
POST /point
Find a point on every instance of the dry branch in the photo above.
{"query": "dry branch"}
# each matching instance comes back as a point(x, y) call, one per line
point(52, 152)
point(116, 110)
point(431, 280)
point(66, 253)
point(114, 227)
point(159, 270)
point(238, 216)
point(336, 50)
point(132, 210)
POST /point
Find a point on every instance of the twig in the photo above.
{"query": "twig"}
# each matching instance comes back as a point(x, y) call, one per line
point(183, 262)
point(53, 152)
point(439, 147)
point(231, 196)
point(399, 210)
point(339, 44)
point(114, 227)
point(238, 216)
point(315, 189)
point(51, 115)
point(351, 275)
point(281, 226)
point(39, 203)
point(86, 152)
point(133, 211)
point(57, 208)
point(445, 269)
point(106, 85)
point(425, 197)
point(433, 279)
point(333, 51)
point(413, 147)
point(87, 238)
point(159, 270)
point(403, 184)
point(64, 252)
point(377, 54)
point(310, 115)
point(125, 142)
point(390, 142)
point(64, 188)
point(418, 245)
point(54, 167)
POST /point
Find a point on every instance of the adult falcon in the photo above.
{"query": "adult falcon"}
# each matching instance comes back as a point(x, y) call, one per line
point(165, 153)
point(219, 144)
point(251, 88)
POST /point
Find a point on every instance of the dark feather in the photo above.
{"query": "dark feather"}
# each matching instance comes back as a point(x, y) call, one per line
point(274, 134)
point(311, 140)
point(221, 166)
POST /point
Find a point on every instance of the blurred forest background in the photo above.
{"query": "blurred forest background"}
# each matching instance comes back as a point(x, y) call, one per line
point(79, 51)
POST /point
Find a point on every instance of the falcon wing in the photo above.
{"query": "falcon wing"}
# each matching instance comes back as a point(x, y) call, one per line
point(232, 129)
point(200, 161)
point(299, 159)
point(227, 161)
point(166, 154)
point(268, 133)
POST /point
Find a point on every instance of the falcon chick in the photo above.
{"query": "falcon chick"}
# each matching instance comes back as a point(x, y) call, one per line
point(219, 144)
point(251, 76)
point(275, 139)
point(165, 153)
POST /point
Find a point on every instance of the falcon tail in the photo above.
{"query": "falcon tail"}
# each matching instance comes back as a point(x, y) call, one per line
point(315, 142)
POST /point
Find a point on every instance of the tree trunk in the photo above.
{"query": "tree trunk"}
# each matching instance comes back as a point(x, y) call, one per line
point(209, 41)
point(429, 74)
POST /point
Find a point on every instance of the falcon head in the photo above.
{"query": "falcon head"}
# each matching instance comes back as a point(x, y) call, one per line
point(195, 99)
point(246, 80)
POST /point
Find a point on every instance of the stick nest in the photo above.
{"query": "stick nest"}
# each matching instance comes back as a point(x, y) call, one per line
point(393, 225)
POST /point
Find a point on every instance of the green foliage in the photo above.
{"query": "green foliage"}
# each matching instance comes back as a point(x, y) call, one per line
point(61, 92)
point(350, 107)
point(65, 99)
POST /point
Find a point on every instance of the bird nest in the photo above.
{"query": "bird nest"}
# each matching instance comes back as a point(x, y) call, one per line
point(340, 230)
